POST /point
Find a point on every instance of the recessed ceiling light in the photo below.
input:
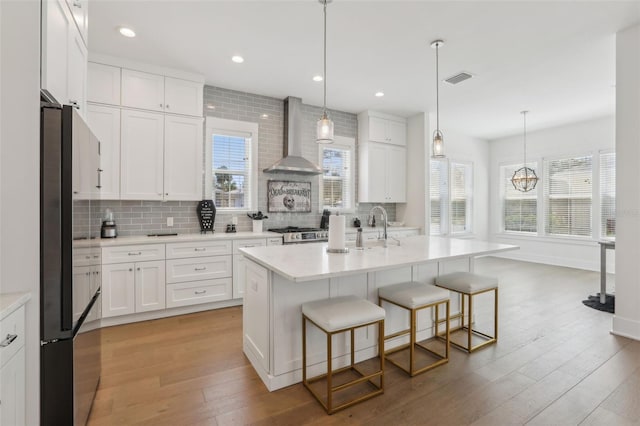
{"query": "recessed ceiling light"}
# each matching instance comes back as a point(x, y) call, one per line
point(209, 106)
point(379, 94)
point(127, 32)
point(264, 116)
point(237, 59)
point(317, 78)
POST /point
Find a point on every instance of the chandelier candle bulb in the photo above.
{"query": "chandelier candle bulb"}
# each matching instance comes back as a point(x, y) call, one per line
point(337, 225)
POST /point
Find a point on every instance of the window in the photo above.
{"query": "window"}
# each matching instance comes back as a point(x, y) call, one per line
point(450, 196)
point(461, 191)
point(568, 195)
point(519, 209)
point(608, 194)
point(337, 183)
point(231, 178)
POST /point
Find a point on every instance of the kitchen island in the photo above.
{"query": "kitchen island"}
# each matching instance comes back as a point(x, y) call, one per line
point(280, 279)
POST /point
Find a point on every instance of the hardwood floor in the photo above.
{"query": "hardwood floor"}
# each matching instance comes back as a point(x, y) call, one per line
point(555, 363)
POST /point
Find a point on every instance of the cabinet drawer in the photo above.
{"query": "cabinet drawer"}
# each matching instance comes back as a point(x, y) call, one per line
point(11, 335)
point(196, 249)
point(238, 244)
point(132, 253)
point(86, 256)
point(274, 241)
point(196, 292)
point(202, 268)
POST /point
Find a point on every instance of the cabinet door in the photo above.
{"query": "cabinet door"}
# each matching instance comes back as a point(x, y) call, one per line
point(82, 289)
point(104, 121)
point(84, 161)
point(142, 90)
point(377, 179)
point(183, 96)
point(103, 84)
point(397, 132)
point(377, 129)
point(12, 390)
point(56, 24)
point(183, 148)
point(150, 286)
point(76, 71)
point(79, 10)
point(141, 156)
point(396, 171)
point(239, 276)
point(118, 289)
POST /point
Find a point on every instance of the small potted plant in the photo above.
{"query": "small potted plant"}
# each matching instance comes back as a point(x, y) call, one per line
point(257, 220)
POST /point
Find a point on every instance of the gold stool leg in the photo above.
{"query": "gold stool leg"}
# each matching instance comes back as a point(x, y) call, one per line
point(329, 375)
point(447, 328)
point(304, 350)
point(470, 321)
point(495, 318)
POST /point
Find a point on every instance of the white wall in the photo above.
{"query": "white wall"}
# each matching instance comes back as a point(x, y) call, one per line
point(414, 212)
point(19, 173)
point(626, 321)
point(575, 139)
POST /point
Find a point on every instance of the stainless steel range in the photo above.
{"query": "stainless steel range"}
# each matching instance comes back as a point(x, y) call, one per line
point(295, 235)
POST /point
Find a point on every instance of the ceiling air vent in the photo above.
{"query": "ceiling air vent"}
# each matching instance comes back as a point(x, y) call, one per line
point(458, 78)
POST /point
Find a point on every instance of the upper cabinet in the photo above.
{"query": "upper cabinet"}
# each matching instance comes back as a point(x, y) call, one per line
point(80, 12)
point(159, 93)
point(385, 129)
point(103, 84)
point(64, 55)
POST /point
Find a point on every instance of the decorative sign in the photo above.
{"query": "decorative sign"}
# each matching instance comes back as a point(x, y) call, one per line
point(288, 196)
point(206, 215)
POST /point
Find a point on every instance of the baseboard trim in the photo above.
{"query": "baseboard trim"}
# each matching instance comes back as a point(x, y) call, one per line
point(626, 327)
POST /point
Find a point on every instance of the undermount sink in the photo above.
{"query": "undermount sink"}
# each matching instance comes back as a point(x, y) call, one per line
point(371, 244)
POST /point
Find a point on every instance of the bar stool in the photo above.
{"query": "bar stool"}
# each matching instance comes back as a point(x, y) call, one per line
point(470, 285)
point(414, 297)
point(339, 315)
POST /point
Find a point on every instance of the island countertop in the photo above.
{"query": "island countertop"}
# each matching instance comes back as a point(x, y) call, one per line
point(307, 262)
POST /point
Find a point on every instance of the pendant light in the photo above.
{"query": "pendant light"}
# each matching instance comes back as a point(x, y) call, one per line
point(324, 128)
point(438, 138)
point(524, 179)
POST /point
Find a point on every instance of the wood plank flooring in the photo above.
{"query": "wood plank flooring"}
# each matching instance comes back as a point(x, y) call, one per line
point(555, 364)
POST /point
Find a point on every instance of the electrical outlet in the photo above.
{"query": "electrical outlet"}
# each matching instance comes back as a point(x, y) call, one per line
point(234, 220)
point(169, 221)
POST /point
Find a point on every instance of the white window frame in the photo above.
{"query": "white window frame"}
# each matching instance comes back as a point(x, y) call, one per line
point(469, 199)
point(446, 200)
point(223, 126)
point(597, 213)
point(537, 191)
point(347, 144)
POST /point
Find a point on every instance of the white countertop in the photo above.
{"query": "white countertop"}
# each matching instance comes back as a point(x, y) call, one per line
point(180, 238)
point(307, 262)
point(9, 302)
point(352, 230)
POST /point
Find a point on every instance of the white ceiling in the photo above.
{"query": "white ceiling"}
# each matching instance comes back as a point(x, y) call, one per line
point(556, 59)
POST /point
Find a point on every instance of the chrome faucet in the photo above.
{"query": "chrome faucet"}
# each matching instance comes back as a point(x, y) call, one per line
point(384, 220)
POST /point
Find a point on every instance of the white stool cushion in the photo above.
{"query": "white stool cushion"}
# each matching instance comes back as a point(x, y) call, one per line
point(466, 282)
point(413, 295)
point(342, 312)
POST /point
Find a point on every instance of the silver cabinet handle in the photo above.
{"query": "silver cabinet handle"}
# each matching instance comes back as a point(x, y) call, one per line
point(138, 269)
point(8, 340)
point(134, 254)
point(200, 249)
point(200, 292)
point(87, 273)
point(167, 105)
point(74, 104)
point(77, 4)
point(160, 105)
point(204, 268)
point(130, 269)
point(249, 245)
point(87, 257)
point(99, 179)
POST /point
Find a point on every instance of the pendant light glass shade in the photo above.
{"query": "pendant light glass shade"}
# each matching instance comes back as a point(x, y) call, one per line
point(324, 127)
point(524, 179)
point(437, 147)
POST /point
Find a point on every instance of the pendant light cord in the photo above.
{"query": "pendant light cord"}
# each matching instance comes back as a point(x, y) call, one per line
point(437, 92)
point(324, 105)
point(524, 114)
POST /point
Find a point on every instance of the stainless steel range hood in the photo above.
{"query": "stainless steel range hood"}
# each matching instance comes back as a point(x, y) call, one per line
point(293, 162)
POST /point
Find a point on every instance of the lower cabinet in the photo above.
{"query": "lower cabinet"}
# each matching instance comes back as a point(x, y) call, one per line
point(196, 292)
point(238, 263)
point(12, 369)
point(128, 288)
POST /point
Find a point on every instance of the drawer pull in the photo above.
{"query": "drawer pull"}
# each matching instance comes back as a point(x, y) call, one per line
point(252, 245)
point(204, 268)
point(200, 291)
point(87, 257)
point(134, 254)
point(8, 340)
point(200, 249)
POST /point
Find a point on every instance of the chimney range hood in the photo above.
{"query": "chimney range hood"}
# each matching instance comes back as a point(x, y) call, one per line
point(293, 162)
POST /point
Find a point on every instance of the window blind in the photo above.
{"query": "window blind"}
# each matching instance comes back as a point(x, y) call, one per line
point(608, 194)
point(231, 169)
point(337, 177)
point(568, 195)
point(519, 209)
point(438, 190)
point(461, 193)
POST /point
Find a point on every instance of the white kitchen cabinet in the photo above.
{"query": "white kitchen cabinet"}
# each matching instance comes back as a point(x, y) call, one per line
point(103, 84)
point(239, 264)
point(142, 155)
point(382, 173)
point(64, 55)
point(255, 314)
point(197, 292)
point(104, 121)
point(198, 249)
point(159, 93)
point(183, 158)
point(274, 241)
point(12, 368)
point(85, 162)
point(382, 128)
point(133, 287)
point(80, 11)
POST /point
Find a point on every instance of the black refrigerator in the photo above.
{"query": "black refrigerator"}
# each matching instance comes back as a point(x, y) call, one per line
point(70, 303)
